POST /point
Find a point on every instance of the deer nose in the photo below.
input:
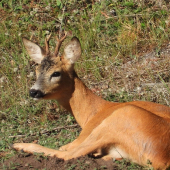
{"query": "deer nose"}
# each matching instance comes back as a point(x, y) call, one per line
point(36, 93)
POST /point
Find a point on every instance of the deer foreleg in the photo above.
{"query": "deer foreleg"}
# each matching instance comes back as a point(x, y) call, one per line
point(35, 148)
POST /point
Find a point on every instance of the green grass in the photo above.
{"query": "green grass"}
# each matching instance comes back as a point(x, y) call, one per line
point(109, 42)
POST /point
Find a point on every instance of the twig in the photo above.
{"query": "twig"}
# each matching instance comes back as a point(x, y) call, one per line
point(61, 23)
point(105, 14)
point(58, 128)
point(45, 131)
point(130, 15)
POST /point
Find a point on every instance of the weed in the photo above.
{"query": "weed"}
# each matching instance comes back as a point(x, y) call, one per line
point(71, 167)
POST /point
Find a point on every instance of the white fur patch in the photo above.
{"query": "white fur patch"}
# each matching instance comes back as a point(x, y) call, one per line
point(69, 53)
point(55, 79)
point(35, 87)
point(116, 152)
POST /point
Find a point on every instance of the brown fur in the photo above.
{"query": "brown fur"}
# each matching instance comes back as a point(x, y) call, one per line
point(136, 130)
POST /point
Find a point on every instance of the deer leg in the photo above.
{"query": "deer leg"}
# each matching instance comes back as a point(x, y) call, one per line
point(75, 144)
point(76, 152)
point(35, 148)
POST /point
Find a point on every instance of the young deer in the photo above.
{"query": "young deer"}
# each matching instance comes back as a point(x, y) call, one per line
point(138, 130)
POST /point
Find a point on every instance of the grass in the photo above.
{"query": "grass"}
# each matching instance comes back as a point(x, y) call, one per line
point(116, 38)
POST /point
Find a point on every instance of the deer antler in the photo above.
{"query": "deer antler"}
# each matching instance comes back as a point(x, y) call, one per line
point(59, 42)
point(47, 39)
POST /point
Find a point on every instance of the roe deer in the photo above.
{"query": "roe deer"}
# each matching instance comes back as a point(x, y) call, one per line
point(137, 130)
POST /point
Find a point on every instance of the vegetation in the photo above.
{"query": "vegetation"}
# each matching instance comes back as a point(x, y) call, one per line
point(125, 57)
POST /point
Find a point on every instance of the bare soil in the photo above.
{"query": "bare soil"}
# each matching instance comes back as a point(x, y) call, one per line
point(24, 161)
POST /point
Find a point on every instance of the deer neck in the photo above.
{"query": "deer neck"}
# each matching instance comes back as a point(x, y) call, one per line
point(82, 103)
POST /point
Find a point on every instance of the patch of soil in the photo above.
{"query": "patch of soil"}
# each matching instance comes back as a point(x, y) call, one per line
point(25, 161)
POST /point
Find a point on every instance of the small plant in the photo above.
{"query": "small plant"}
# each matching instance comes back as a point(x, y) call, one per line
point(71, 167)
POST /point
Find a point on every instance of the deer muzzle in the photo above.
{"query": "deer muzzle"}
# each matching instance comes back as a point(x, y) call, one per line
point(36, 93)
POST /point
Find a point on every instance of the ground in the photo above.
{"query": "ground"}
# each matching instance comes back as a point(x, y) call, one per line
point(25, 161)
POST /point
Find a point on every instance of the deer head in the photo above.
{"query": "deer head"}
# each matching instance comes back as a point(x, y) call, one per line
point(54, 74)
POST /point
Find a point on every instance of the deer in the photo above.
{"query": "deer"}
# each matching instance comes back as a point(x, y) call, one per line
point(138, 130)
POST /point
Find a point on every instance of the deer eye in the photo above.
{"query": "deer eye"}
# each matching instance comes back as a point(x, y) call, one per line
point(56, 74)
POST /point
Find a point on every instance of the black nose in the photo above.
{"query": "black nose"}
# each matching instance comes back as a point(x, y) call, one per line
point(36, 93)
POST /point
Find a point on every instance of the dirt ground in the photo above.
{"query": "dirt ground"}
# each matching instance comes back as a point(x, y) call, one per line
point(25, 161)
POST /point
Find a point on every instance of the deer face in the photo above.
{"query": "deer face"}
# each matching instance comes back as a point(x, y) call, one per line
point(54, 74)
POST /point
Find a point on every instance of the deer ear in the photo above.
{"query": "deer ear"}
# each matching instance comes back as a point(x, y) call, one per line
point(34, 51)
point(72, 51)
